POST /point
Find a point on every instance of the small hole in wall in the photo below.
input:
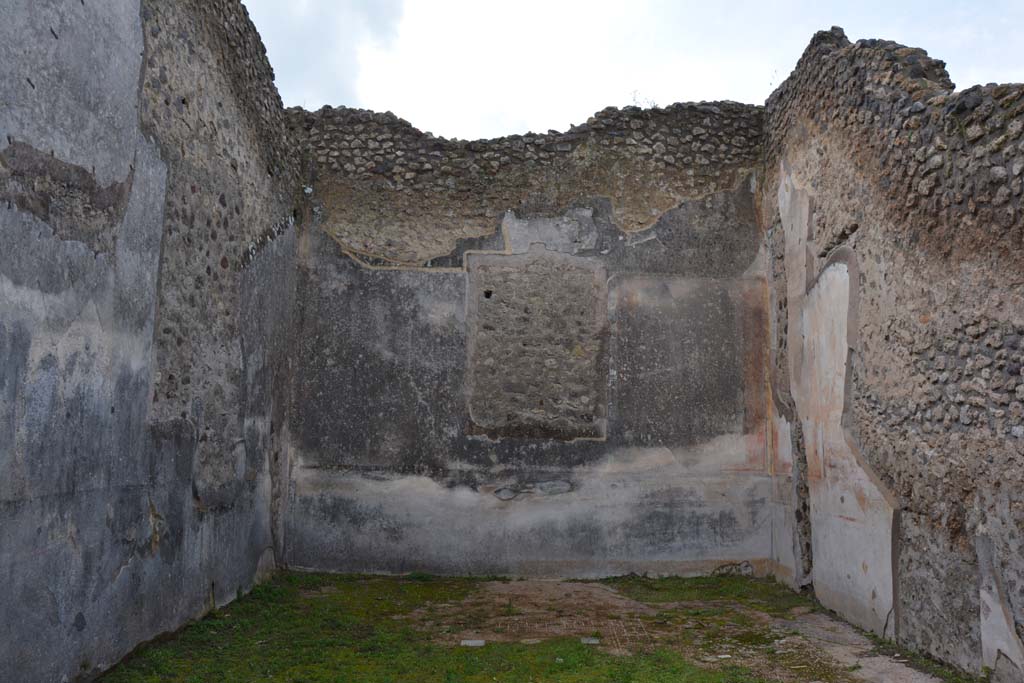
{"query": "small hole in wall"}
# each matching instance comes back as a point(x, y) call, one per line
point(488, 293)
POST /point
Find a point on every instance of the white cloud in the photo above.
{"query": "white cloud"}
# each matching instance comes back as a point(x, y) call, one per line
point(482, 68)
point(313, 44)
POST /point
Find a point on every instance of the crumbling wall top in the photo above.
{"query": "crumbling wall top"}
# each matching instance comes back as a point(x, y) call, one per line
point(948, 164)
point(394, 195)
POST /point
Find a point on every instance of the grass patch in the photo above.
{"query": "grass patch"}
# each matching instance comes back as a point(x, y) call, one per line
point(323, 628)
point(764, 595)
point(316, 628)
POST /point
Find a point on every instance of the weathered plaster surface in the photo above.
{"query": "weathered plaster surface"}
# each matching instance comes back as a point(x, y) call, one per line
point(103, 543)
point(635, 511)
point(784, 340)
point(852, 517)
point(788, 550)
point(413, 450)
point(916, 184)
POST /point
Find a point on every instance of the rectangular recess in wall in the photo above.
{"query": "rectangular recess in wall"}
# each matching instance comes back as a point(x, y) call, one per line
point(537, 351)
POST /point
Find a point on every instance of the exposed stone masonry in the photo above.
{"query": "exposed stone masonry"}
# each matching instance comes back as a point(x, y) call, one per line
point(64, 195)
point(924, 184)
point(949, 164)
point(232, 337)
point(395, 195)
point(143, 318)
point(232, 183)
point(537, 362)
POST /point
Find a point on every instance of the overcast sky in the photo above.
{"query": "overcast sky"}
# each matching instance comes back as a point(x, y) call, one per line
point(484, 68)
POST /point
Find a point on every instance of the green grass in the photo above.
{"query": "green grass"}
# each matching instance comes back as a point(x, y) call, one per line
point(322, 628)
point(310, 628)
point(763, 595)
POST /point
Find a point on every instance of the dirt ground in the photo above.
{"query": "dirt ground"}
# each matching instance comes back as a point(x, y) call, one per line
point(791, 644)
point(331, 628)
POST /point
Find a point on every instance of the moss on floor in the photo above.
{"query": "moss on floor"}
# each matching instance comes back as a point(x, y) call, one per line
point(314, 628)
point(322, 628)
point(763, 595)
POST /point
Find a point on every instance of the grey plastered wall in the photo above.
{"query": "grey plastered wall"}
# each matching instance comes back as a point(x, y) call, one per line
point(103, 540)
point(391, 472)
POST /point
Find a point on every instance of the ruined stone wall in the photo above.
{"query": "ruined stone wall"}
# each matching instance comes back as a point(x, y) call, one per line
point(898, 201)
point(145, 295)
point(394, 195)
point(709, 337)
point(542, 354)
